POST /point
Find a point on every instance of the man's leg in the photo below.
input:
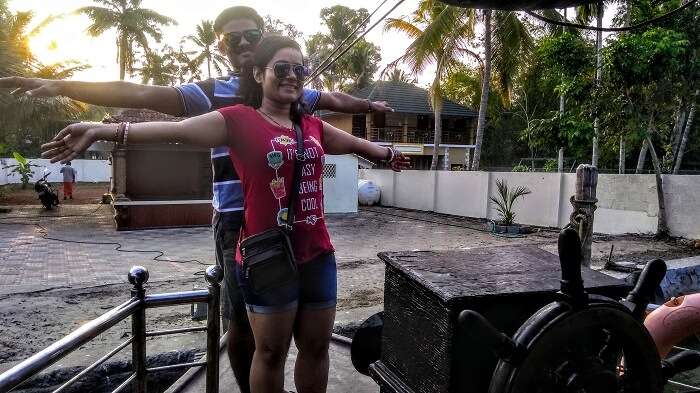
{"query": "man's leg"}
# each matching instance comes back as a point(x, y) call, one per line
point(241, 344)
point(66, 185)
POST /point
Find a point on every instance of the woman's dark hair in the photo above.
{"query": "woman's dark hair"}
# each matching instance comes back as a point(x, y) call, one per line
point(237, 12)
point(251, 91)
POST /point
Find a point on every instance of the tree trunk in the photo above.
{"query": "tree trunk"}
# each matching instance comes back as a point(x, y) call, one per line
point(122, 56)
point(485, 85)
point(686, 132)
point(208, 67)
point(662, 227)
point(677, 132)
point(621, 163)
point(598, 74)
point(642, 157)
point(437, 138)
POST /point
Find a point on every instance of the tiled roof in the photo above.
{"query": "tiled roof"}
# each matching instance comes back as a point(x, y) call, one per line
point(409, 98)
point(139, 116)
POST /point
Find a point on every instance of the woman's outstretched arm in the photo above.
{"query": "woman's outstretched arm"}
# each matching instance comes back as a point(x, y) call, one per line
point(208, 130)
point(336, 141)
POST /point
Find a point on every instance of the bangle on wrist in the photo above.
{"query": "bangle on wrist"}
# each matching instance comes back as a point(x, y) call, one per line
point(390, 155)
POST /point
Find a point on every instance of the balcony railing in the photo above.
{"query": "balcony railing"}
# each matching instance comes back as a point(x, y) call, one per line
point(136, 309)
point(413, 135)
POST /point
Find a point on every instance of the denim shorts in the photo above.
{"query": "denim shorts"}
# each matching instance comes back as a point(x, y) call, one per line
point(315, 289)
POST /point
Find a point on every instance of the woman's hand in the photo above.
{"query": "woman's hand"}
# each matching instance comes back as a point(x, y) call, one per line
point(75, 139)
point(399, 161)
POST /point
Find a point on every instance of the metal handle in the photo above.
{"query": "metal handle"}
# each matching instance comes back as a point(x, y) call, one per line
point(648, 281)
point(479, 328)
point(569, 245)
point(684, 361)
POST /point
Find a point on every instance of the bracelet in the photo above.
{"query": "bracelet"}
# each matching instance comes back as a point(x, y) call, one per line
point(369, 106)
point(391, 154)
point(126, 131)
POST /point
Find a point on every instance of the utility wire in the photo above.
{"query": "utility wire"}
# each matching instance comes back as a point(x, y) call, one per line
point(357, 28)
point(612, 29)
point(364, 33)
point(44, 234)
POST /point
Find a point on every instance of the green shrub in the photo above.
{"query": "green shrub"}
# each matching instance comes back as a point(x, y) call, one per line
point(551, 166)
point(521, 168)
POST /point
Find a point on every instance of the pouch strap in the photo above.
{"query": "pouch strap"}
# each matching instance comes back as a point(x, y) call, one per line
point(296, 177)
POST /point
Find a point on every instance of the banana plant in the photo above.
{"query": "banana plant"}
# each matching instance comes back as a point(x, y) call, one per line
point(23, 168)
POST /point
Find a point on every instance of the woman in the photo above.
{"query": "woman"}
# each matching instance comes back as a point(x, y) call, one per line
point(262, 140)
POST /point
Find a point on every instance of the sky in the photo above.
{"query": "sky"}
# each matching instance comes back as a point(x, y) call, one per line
point(66, 38)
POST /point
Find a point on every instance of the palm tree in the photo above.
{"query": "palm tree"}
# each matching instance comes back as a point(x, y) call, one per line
point(24, 119)
point(205, 40)
point(159, 68)
point(507, 41)
point(440, 33)
point(395, 74)
point(133, 24)
point(584, 14)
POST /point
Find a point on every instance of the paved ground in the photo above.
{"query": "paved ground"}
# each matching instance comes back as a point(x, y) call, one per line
point(48, 287)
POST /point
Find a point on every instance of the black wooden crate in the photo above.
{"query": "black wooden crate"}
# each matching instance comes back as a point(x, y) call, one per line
point(424, 292)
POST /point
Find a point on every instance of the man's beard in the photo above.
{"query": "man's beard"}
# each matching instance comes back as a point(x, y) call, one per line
point(235, 56)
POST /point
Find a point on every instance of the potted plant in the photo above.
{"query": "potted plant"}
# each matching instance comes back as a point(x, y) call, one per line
point(504, 202)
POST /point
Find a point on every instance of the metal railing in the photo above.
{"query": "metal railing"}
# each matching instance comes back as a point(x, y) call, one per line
point(136, 309)
point(413, 135)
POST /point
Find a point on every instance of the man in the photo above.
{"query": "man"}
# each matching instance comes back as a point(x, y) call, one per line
point(68, 180)
point(238, 29)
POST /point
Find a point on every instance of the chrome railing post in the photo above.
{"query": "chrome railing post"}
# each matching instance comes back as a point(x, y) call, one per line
point(138, 276)
point(214, 275)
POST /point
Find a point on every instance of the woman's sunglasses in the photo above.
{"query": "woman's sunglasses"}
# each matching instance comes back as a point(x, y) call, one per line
point(234, 38)
point(281, 70)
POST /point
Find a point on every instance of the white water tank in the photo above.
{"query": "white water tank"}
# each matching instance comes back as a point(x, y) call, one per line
point(368, 193)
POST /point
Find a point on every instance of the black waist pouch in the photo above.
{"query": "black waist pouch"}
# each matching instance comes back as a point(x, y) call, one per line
point(268, 260)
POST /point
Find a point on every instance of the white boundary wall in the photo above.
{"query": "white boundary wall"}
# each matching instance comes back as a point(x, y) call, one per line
point(88, 170)
point(340, 187)
point(626, 203)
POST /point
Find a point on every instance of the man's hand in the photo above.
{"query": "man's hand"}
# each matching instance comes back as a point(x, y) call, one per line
point(75, 139)
point(33, 87)
point(381, 106)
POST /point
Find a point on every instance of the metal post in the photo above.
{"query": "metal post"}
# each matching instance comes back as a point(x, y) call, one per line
point(584, 204)
point(138, 275)
point(214, 275)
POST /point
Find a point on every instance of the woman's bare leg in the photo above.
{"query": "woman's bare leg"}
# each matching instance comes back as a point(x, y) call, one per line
point(272, 334)
point(312, 335)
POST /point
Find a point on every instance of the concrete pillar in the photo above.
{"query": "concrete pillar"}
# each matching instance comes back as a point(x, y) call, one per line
point(560, 161)
point(446, 164)
point(368, 127)
point(404, 138)
point(468, 159)
point(119, 173)
point(584, 204)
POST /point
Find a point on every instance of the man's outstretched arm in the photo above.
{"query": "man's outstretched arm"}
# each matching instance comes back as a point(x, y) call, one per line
point(118, 94)
point(341, 102)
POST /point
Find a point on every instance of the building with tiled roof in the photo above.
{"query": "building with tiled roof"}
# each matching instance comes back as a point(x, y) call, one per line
point(410, 128)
